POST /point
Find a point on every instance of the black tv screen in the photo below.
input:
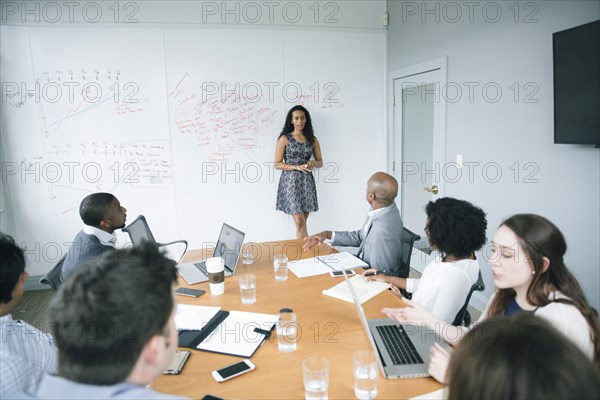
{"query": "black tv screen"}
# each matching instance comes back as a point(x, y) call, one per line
point(577, 85)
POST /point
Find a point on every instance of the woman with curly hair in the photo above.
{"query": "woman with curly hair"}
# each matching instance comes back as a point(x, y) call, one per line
point(296, 145)
point(455, 229)
point(530, 277)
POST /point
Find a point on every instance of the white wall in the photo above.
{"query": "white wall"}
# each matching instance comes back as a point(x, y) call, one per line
point(508, 45)
point(52, 37)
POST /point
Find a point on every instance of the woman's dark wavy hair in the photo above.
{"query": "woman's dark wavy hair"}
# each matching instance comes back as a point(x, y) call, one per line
point(538, 237)
point(455, 226)
point(288, 127)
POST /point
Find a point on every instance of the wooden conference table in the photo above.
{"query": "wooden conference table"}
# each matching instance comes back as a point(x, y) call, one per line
point(327, 327)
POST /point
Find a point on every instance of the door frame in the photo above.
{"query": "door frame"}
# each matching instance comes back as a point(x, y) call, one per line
point(439, 136)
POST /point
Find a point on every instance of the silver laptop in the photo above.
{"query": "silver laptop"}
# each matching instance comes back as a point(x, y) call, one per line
point(228, 247)
point(402, 349)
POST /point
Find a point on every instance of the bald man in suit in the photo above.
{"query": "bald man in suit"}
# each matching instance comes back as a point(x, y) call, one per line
point(379, 241)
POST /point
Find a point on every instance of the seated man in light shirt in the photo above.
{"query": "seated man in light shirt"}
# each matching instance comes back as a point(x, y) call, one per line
point(102, 214)
point(379, 241)
point(114, 326)
point(26, 353)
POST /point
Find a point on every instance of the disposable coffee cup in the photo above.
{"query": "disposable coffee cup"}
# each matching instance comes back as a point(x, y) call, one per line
point(216, 275)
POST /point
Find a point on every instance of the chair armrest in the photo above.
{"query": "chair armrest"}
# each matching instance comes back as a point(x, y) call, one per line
point(181, 241)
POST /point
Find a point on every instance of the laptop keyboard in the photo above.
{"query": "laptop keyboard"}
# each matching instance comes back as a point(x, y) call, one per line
point(399, 346)
point(201, 265)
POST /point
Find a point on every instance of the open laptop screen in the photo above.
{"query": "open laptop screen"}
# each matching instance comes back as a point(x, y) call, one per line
point(229, 246)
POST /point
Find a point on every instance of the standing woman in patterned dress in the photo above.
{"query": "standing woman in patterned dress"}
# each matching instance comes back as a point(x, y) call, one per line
point(296, 145)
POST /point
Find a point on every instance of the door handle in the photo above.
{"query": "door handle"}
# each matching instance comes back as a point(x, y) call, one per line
point(433, 189)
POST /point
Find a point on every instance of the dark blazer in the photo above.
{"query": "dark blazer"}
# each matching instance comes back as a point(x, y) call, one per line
point(84, 248)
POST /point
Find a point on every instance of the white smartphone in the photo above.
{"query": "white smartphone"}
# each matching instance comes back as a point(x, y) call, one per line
point(233, 370)
point(337, 274)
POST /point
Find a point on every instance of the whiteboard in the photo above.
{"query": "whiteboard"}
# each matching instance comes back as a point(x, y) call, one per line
point(181, 125)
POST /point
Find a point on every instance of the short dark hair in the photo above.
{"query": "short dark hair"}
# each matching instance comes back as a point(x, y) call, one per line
point(12, 265)
point(455, 226)
point(520, 357)
point(93, 208)
point(104, 315)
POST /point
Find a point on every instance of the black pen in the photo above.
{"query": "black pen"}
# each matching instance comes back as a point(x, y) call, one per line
point(374, 273)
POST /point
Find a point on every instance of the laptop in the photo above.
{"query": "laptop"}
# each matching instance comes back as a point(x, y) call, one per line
point(228, 247)
point(402, 349)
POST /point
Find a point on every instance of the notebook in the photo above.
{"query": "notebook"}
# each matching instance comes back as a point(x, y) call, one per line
point(402, 349)
point(235, 333)
point(228, 247)
point(365, 291)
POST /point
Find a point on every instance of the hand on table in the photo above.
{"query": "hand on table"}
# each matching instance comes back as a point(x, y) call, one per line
point(439, 359)
point(369, 275)
point(310, 241)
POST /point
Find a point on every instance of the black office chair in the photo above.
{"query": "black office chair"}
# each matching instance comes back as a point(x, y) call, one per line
point(408, 240)
point(139, 231)
point(52, 278)
point(463, 316)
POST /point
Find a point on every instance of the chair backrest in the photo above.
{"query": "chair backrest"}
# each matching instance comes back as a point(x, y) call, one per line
point(138, 231)
point(52, 278)
point(463, 315)
point(408, 240)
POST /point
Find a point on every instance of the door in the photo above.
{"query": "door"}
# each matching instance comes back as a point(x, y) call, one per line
point(418, 143)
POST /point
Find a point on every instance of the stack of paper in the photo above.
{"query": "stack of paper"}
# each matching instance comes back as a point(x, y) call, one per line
point(325, 264)
point(193, 318)
point(365, 290)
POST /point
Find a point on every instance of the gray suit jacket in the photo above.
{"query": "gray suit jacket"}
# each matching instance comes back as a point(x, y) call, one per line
point(381, 247)
point(84, 248)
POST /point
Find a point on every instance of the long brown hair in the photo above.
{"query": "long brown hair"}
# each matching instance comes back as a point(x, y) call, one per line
point(540, 238)
point(520, 357)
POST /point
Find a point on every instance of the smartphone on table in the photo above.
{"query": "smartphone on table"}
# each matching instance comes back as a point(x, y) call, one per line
point(190, 292)
point(337, 274)
point(178, 362)
point(233, 370)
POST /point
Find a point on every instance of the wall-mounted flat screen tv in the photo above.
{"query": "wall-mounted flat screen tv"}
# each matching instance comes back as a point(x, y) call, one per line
point(576, 54)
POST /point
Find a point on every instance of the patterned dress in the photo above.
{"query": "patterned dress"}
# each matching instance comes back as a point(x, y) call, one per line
point(297, 192)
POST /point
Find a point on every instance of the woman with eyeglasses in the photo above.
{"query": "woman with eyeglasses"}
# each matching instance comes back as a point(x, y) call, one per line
point(530, 277)
point(456, 230)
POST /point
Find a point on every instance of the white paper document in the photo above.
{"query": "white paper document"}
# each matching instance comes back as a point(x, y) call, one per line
point(193, 318)
point(308, 267)
point(365, 290)
point(325, 264)
point(236, 334)
point(440, 394)
point(340, 261)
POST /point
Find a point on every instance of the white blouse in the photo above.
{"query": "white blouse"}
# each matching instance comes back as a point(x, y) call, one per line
point(444, 286)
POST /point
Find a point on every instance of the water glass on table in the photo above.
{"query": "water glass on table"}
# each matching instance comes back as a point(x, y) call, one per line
point(287, 330)
point(247, 255)
point(280, 265)
point(248, 288)
point(365, 375)
point(316, 378)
